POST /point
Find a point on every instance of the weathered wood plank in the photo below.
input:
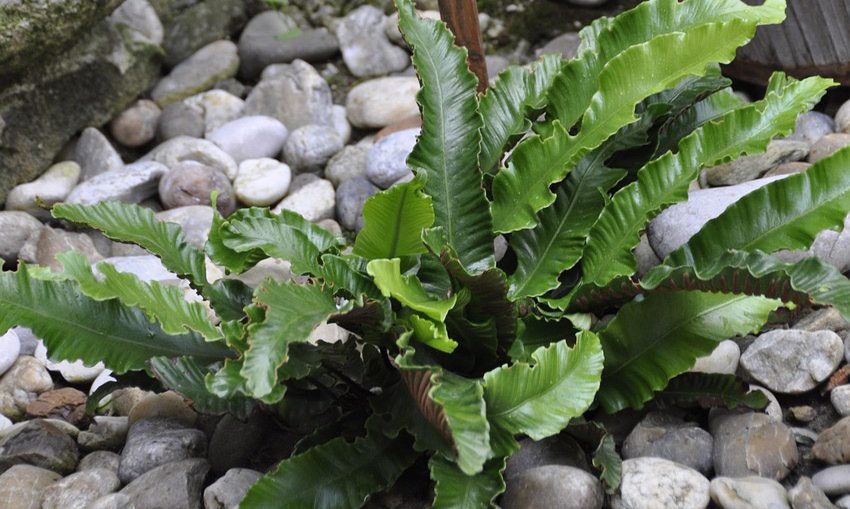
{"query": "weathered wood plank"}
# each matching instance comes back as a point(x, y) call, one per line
point(815, 39)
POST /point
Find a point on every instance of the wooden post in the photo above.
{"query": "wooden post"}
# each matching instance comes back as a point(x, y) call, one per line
point(462, 18)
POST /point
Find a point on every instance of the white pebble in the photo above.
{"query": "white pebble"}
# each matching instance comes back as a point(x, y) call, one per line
point(262, 182)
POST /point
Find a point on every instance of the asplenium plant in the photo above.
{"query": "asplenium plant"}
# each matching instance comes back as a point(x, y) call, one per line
point(455, 356)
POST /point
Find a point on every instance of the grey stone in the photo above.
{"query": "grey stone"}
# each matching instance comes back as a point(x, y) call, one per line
point(201, 23)
point(180, 149)
point(555, 450)
point(43, 246)
point(79, 490)
point(28, 340)
point(393, 32)
point(829, 246)
point(95, 154)
point(233, 87)
point(39, 443)
point(748, 493)
point(812, 126)
point(113, 501)
point(133, 184)
point(828, 145)
point(15, 228)
point(23, 486)
point(262, 182)
point(269, 268)
point(99, 75)
point(136, 125)
point(553, 487)
point(50, 188)
point(842, 118)
point(212, 63)
point(840, 398)
point(167, 405)
point(833, 444)
point(272, 37)
point(315, 201)
point(793, 361)
point(752, 444)
point(805, 495)
point(657, 482)
point(827, 318)
point(788, 169)
point(843, 502)
point(677, 224)
point(773, 408)
point(180, 119)
point(339, 121)
point(234, 442)
point(833, 480)
point(158, 441)
point(382, 101)
point(196, 221)
point(251, 137)
point(747, 168)
point(193, 183)
point(387, 159)
point(724, 359)
point(107, 460)
point(348, 163)
point(366, 49)
point(10, 348)
point(565, 45)
point(218, 107)
point(230, 489)
point(104, 433)
point(175, 485)
point(662, 435)
point(350, 197)
point(73, 372)
point(309, 148)
point(296, 94)
point(21, 385)
point(139, 15)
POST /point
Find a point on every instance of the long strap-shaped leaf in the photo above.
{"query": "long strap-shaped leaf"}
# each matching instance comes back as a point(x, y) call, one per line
point(642, 355)
point(665, 181)
point(131, 223)
point(447, 150)
point(393, 222)
point(800, 206)
point(456, 490)
point(77, 327)
point(522, 189)
point(605, 39)
point(185, 375)
point(541, 398)
point(292, 312)
point(517, 93)
point(407, 289)
point(809, 281)
point(556, 244)
point(334, 475)
point(452, 404)
point(164, 303)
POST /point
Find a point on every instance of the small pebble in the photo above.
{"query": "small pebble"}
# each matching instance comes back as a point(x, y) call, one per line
point(748, 493)
point(833, 480)
point(50, 188)
point(262, 182)
point(309, 148)
point(251, 137)
point(136, 125)
point(387, 159)
point(192, 183)
point(828, 145)
point(315, 201)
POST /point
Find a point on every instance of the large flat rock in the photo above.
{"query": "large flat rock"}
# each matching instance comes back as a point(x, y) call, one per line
point(88, 85)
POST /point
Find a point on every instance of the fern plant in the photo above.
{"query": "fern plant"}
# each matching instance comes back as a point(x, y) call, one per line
point(455, 356)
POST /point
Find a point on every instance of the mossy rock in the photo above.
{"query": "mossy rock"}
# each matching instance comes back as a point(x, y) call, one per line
point(31, 30)
point(86, 86)
point(201, 24)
